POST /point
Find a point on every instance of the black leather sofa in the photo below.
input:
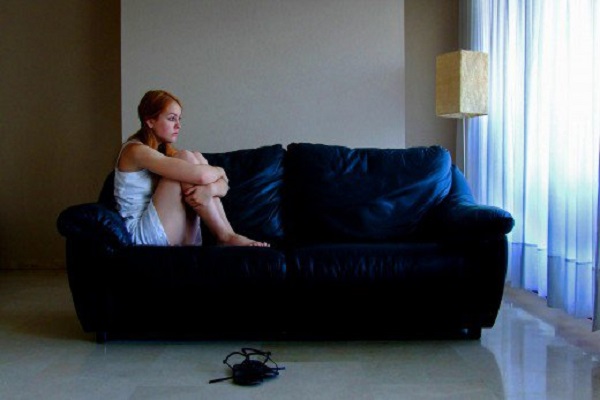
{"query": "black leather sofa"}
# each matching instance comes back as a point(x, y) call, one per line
point(365, 243)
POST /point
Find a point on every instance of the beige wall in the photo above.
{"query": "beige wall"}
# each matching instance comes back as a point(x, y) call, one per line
point(431, 28)
point(259, 72)
point(59, 118)
point(60, 108)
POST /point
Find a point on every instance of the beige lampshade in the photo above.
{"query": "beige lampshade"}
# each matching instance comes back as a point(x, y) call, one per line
point(461, 84)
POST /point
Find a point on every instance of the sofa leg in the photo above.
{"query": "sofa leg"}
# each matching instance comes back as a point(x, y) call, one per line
point(473, 333)
point(101, 337)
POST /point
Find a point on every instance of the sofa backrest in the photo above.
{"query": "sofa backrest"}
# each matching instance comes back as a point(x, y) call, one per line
point(338, 194)
point(323, 193)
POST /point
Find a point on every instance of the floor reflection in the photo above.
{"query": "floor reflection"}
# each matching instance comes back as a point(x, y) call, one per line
point(537, 363)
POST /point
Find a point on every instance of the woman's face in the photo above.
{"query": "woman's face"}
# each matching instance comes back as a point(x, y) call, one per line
point(166, 126)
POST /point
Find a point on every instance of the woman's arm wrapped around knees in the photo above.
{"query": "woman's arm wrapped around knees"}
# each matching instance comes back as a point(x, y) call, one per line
point(213, 176)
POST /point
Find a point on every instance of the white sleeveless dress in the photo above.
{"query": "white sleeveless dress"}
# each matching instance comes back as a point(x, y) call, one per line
point(133, 194)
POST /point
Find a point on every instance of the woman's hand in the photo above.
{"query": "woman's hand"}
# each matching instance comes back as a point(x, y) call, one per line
point(200, 195)
point(221, 187)
point(197, 196)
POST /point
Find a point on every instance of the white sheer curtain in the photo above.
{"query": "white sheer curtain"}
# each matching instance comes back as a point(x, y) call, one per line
point(537, 153)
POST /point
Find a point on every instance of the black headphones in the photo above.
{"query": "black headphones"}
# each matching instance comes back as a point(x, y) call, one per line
point(253, 368)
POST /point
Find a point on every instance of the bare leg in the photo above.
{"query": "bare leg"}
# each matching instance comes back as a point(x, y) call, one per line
point(177, 222)
point(205, 200)
point(181, 224)
point(192, 233)
point(213, 215)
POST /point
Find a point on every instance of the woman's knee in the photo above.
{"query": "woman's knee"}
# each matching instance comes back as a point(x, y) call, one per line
point(194, 157)
point(187, 155)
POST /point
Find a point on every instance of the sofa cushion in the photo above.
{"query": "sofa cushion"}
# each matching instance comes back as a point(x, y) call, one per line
point(372, 264)
point(253, 204)
point(338, 194)
point(205, 267)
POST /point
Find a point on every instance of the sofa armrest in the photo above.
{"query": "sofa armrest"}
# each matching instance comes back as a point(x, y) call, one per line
point(473, 220)
point(95, 222)
point(458, 215)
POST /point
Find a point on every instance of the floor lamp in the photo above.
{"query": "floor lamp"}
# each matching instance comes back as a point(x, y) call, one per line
point(461, 88)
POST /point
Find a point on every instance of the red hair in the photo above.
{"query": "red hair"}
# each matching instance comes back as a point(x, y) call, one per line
point(151, 106)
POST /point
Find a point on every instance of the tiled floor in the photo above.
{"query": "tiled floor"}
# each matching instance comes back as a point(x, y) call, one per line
point(531, 353)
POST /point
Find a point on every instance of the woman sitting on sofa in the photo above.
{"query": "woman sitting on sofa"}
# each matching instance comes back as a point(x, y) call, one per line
point(162, 192)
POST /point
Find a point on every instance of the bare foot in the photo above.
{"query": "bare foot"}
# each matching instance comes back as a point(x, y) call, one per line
point(240, 240)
